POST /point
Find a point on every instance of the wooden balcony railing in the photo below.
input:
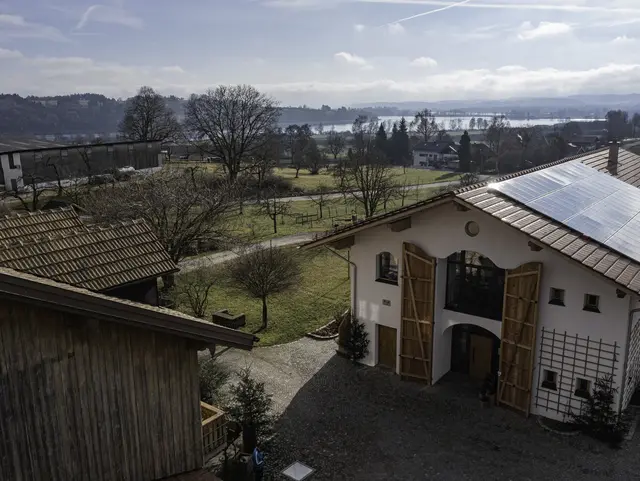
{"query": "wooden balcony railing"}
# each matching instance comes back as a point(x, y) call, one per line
point(214, 429)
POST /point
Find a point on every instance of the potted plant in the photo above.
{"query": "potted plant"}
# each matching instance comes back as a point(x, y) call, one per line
point(487, 390)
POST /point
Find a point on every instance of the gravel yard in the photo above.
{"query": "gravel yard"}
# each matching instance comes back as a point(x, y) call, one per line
point(358, 423)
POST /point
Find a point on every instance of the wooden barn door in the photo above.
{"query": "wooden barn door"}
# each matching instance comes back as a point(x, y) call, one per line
point(418, 289)
point(519, 325)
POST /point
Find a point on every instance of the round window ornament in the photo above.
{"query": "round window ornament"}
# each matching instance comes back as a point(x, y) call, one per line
point(472, 228)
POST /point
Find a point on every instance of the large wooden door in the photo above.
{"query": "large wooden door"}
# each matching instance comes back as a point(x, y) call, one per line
point(416, 332)
point(387, 352)
point(481, 352)
point(519, 325)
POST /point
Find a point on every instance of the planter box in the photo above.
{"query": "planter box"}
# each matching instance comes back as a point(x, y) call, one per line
point(214, 429)
point(227, 320)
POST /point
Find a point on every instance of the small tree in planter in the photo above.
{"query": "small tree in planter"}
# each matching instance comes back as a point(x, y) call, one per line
point(251, 407)
point(356, 339)
point(598, 418)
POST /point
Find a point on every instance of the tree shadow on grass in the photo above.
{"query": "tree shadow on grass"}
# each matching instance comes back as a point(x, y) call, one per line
point(447, 176)
point(359, 423)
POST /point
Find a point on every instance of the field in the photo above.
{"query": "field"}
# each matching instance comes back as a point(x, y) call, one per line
point(323, 290)
point(255, 226)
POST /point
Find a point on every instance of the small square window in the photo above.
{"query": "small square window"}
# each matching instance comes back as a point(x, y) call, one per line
point(109, 149)
point(130, 147)
point(12, 161)
point(591, 303)
point(64, 153)
point(556, 297)
point(386, 269)
point(38, 156)
point(583, 388)
point(549, 380)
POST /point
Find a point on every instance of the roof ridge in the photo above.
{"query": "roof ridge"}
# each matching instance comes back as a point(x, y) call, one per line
point(37, 213)
point(115, 225)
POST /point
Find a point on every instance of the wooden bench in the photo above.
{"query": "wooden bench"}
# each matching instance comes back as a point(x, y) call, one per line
point(227, 320)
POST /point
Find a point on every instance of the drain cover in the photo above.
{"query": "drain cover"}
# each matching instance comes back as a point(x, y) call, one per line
point(298, 471)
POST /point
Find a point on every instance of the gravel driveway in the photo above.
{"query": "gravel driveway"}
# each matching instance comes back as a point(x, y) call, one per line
point(358, 423)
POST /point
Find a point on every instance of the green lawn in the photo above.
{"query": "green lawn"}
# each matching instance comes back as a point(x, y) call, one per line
point(254, 226)
point(324, 289)
point(309, 182)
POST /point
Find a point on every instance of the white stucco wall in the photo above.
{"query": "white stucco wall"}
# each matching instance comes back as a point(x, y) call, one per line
point(11, 174)
point(440, 232)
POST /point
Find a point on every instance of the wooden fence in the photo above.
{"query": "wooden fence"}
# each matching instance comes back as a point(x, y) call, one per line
point(214, 429)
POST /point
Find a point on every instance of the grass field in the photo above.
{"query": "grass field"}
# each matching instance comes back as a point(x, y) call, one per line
point(324, 289)
point(254, 226)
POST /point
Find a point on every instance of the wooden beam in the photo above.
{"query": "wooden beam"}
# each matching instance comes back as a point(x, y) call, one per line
point(344, 243)
point(400, 225)
point(534, 247)
point(461, 208)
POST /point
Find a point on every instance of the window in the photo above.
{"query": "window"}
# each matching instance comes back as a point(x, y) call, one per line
point(109, 149)
point(549, 380)
point(130, 147)
point(387, 269)
point(12, 161)
point(475, 285)
point(556, 297)
point(38, 156)
point(64, 153)
point(149, 146)
point(591, 303)
point(583, 388)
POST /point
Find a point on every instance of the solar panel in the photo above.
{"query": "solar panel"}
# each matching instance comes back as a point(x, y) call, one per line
point(593, 203)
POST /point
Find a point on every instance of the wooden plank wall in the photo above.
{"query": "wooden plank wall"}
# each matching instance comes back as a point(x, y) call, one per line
point(85, 399)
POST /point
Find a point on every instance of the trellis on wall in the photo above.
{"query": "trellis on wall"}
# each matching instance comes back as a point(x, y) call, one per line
point(633, 366)
point(572, 357)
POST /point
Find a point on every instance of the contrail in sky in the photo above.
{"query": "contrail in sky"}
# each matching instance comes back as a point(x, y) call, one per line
point(442, 9)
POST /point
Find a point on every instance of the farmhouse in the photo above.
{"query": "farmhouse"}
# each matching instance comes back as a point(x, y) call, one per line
point(435, 154)
point(533, 279)
point(26, 163)
point(123, 260)
point(94, 387)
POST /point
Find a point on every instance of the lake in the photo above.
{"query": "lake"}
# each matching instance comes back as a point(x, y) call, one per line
point(447, 125)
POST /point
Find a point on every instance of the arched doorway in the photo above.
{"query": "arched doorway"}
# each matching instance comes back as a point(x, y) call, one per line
point(474, 351)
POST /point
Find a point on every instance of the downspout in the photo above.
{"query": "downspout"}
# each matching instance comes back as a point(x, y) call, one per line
point(355, 278)
point(626, 356)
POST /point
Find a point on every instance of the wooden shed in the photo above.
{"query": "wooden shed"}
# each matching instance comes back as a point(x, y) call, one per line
point(98, 388)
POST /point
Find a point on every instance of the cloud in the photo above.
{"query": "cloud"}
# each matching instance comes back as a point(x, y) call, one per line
point(302, 4)
point(359, 28)
point(15, 26)
point(395, 29)
point(623, 40)
point(544, 29)
point(109, 14)
point(512, 81)
point(351, 59)
point(550, 5)
point(9, 54)
point(172, 69)
point(424, 62)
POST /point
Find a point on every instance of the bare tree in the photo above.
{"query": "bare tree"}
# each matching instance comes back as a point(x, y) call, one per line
point(494, 132)
point(148, 118)
point(264, 271)
point(336, 143)
point(425, 124)
point(369, 178)
point(321, 197)
point(182, 206)
point(273, 207)
point(193, 290)
point(298, 139)
point(233, 121)
point(267, 156)
point(403, 192)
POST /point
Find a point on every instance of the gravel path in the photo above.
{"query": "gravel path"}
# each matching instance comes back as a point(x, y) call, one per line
point(223, 256)
point(358, 423)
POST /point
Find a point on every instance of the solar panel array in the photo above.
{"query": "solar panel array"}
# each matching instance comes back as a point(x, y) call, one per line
point(590, 202)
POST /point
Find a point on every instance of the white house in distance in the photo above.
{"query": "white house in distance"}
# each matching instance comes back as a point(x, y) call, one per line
point(436, 154)
point(534, 278)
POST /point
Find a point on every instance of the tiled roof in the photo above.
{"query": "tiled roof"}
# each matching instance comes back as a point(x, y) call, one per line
point(29, 288)
point(34, 225)
point(628, 169)
point(95, 258)
point(593, 255)
point(438, 147)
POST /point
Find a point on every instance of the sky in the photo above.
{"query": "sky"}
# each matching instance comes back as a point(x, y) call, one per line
point(314, 52)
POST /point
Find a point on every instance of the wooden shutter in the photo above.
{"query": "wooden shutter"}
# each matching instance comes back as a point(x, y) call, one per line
point(418, 289)
point(519, 326)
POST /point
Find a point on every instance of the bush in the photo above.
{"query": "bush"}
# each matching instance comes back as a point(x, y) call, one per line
point(213, 377)
point(356, 339)
point(251, 407)
point(598, 417)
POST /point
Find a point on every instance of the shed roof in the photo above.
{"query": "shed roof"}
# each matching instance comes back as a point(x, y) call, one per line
point(438, 147)
point(12, 146)
point(28, 288)
point(96, 258)
point(596, 256)
point(31, 226)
